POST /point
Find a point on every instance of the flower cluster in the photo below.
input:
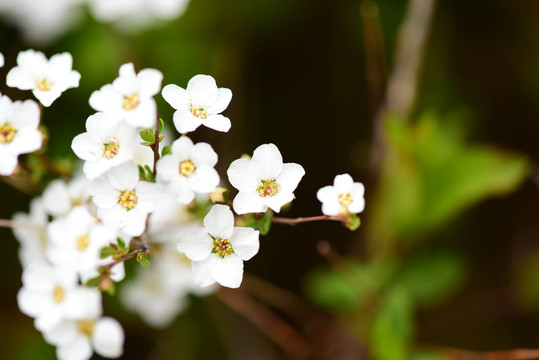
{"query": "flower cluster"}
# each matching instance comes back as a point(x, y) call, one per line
point(121, 205)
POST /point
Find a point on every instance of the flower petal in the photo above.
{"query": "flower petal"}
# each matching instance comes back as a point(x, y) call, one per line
point(196, 245)
point(269, 160)
point(217, 122)
point(108, 338)
point(228, 271)
point(245, 242)
point(220, 222)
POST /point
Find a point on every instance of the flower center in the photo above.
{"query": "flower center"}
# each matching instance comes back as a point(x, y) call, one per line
point(131, 102)
point(187, 167)
point(83, 242)
point(111, 149)
point(86, 327)
point(44, 84)
point(58, 294)
point(345, 200)
point(128, 199)
point(268, 188)
point(198, 111)
point(7, 133)
point(221, 247)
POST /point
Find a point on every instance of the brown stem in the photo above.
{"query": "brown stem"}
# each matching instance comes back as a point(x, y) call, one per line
point(293, 222)
point(285, 336)
point(20, 224)
point(122, 259)
point(514, 354)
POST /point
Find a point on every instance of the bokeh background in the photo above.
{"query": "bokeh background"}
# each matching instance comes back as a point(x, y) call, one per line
point(446, 261)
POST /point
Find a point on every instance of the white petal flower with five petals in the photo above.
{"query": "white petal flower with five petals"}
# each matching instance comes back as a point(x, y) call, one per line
point(123, 202)
point(188, 169)
point(344, 197)
point(47, 79)
point(104, 144)
point(19, 133)
point(218, 250)
point(263, 181)
point(201, 103)
point(130, 96)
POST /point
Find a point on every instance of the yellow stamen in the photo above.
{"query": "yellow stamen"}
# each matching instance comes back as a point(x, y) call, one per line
point(83, 242)
point(268, 188)
point(187, 167)
point(111, 149)
point(44, 84)
point(58, 294)
point(199, 111)
point(7, 133)
point(345, 200)
point(131, 102)
point(86, 327)
point(222, 247)
point(128, 199)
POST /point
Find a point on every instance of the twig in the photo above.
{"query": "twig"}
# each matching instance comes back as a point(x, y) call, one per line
point(514, 354)
point(20, 224)
point(293, 222)
point(122, 259)
point(289, 339)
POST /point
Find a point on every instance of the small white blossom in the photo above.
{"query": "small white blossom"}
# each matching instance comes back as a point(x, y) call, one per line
point(59, 198)
point(169, 219)
point(33, 240)
point(19, 133)
point(77, 239)
point(344, 197)
point(123, 202)
point(53, 294)
point(47, 79)
point(199, 104)
point(104, 144)
point(1, 60)
point(263, 181)
point(78, 339)
point(130, 96)
point(188, 169)
point(218, 250)
point(136, 14)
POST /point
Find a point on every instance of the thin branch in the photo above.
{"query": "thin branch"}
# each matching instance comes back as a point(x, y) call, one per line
point(293, 222)
point(122, 259)
point(514, 354)
point(285, 336)
point(20, 224)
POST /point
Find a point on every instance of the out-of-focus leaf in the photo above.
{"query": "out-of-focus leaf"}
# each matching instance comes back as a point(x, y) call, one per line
point(526, 281)
point(349, 285)
point(428, 355)
point(430, 278)
point(430, 174)
point(258, 222)
point(392, 329)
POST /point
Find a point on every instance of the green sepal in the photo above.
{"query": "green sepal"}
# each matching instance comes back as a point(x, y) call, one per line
point(161, 128)
point(107, 251)
point(147, 135)
point(142, 259)
point(352, 222)
point(93, 282)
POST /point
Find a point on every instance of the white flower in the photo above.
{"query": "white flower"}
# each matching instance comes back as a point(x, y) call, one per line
point(42, 21)
point(136, 14)
point(199, 104)
point(122, 200)
point(19, 133)
point(46, 78)
point(104, 145)
point(344, 197)
point(263, 181)
point(130, 96)
point(76, 340)
point(59, 198)
point(1, 60)
point(188, 169)
point(168, 219)
point(219, 249)
point(52, 294)
point(33, 240)
point(77, 239)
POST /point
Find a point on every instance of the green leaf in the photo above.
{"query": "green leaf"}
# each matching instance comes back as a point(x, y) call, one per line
point(259, 222)
point(166, 150)
point(121, 245)
point(392, 329)
point(433, 277)
point(161, 128)
point(148, 135)
point(107, 251)
point(431, 174)
point(141, 172)
point(93, 282)
point(142, 259)
point(149, 173)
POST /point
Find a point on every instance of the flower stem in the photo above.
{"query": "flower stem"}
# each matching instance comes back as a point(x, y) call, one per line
point(156, 147)
point(293, 222)
point(20, 224)
point(123, 258)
